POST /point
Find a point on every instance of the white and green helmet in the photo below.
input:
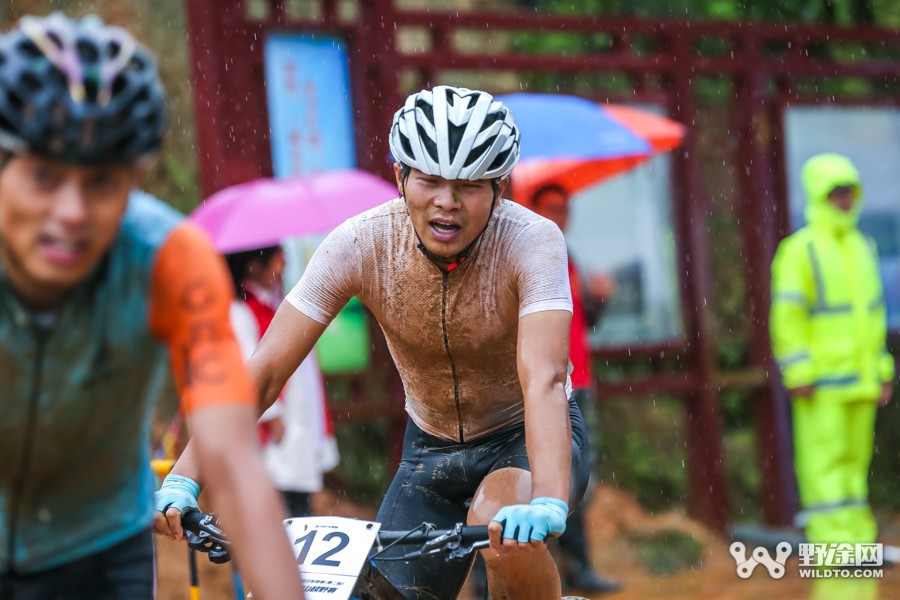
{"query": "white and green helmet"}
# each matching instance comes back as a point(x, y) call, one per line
point(455, 133)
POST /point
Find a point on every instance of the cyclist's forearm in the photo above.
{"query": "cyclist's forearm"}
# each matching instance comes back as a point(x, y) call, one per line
point(243, 496)
point(188, 464)
point(286, 343)
point(268, 387)
point(548, 438)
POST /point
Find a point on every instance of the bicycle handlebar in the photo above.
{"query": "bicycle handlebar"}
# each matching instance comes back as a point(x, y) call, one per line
point(469, 534)
point(457, 542)
point(204, 534)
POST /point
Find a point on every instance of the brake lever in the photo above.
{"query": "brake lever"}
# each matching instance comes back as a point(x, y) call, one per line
point(210, 539)
point(449, 545)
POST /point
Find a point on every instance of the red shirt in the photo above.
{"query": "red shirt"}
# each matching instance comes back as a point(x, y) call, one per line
point(579, 346)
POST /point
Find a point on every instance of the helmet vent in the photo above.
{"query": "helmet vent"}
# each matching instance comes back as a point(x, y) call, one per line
point(427, 143)
point(15, 100)
point(87, 52)
point(455, 138)
point(136, 65)
point(501, 159)
point(30, 49)
point(31, 83)
point(477, 152)
point(142, 96)
point(119, 84)
point(427, 110)
point(113, 49)
point(404, 142)
point(91, 90)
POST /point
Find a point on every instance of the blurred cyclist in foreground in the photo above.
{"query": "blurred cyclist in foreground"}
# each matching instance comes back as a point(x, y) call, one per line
point(96, 282)
point(472, 292)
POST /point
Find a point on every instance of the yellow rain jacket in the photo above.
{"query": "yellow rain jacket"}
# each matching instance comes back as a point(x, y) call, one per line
point(828, 321)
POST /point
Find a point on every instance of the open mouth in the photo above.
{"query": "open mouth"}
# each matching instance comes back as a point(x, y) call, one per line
point(443, 231)
point(442, 227)
point(61, 251)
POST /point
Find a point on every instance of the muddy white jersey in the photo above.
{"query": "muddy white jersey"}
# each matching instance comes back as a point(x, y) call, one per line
point(451, 334)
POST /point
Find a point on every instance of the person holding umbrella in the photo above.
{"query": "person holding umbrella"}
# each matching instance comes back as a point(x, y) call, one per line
point(472, 293)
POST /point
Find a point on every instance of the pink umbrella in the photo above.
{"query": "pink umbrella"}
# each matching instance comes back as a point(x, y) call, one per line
point(264, 212)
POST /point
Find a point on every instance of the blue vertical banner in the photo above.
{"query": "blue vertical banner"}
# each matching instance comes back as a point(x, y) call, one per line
point(311, 125)
point(310, 112)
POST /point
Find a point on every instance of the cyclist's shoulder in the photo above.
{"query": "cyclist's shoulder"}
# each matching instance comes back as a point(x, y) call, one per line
point(518, 218)
point(379, 216)
point(372, 231)
point(517, 226)
point(146, 228)
point(147, 224)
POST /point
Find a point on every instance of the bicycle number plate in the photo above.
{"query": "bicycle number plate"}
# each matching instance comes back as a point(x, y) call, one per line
point(330, 551)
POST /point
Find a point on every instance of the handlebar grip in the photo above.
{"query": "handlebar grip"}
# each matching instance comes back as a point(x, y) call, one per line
point(191, 520)
point(474, 533)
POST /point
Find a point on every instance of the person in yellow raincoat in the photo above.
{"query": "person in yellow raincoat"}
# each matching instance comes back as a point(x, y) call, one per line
point(828, 329)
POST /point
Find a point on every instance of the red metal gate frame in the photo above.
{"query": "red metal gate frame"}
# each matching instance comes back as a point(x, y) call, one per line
point(233, 146)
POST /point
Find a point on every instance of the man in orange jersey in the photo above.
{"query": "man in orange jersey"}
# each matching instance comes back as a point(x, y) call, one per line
point(97, 282)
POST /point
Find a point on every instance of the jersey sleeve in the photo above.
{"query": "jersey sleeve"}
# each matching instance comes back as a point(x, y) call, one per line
point(541, 264)
point(332, 277)
point(190, 299)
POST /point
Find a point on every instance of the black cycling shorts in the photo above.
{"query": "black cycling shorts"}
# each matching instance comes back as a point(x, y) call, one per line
point(435, 483)
point(122, 572)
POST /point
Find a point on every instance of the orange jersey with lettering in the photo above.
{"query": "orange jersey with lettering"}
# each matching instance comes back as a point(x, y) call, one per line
point(191, 296)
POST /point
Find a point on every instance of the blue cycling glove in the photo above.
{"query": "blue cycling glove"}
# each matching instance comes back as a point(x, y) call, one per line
point(178, 492)
point(533, 522)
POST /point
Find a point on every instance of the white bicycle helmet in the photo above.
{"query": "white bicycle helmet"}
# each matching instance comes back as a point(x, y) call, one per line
point(455, 133)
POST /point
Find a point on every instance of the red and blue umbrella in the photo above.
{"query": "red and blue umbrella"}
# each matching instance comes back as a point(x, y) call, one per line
point(575, 143)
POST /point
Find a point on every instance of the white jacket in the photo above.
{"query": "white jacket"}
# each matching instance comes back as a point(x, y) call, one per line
point(305, 452)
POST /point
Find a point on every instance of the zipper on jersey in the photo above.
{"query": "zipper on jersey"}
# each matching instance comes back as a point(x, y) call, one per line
point(25, 460)
point(445, 277)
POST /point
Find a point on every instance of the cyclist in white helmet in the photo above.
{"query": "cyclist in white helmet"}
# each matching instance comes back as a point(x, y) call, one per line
point(473, 296)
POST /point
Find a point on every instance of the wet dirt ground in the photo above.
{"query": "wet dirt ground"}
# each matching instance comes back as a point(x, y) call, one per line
point(613, 520)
